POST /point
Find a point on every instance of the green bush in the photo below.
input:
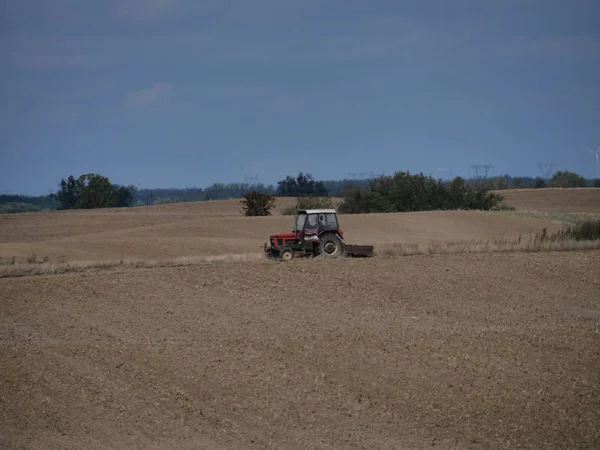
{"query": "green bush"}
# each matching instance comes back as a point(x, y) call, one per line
point(15, 208)
point(258, 204)
point(587, 230)
point(404, 192)
point(308, 202)
point(566, 179)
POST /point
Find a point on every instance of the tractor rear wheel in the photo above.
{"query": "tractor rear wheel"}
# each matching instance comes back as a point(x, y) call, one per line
point(331, 246)
point(286, 253)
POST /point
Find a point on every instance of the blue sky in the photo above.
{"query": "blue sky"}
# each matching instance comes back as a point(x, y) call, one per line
point(179, 93)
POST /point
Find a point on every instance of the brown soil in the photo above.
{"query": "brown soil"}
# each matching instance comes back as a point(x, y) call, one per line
point(210, 229)
point(553, 200)
point(454, 351)
point(451, 351)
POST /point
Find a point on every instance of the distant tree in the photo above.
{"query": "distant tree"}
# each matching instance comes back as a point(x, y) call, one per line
point(540, 183)
point(167, 200)
point(358, 200)
point(302, 185)
point(42, 202)
point(320, 190)
point(91, 191)
point(304, 182)
point(501, 183)
point(404, 192)
point(457, 193)
point(258, 203)
point(123, 196)
point(518, 182)
point(287, 186)
point(96, 191)
point(335, 188)
point(69, 193)
point(566, 179)
point(596, 183)
point(14, 208)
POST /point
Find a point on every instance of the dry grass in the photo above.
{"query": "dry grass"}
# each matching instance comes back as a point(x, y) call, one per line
point(554, 216)
point(204, 232)
point(143, 236)
point(33, 268)
point(554, 199)
point(538, 242)
point(503, 245)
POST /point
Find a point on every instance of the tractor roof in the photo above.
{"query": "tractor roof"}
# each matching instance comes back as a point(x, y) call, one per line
point(317, 211)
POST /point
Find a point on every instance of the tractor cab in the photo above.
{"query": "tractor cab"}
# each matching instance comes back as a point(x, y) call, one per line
point(315, 221)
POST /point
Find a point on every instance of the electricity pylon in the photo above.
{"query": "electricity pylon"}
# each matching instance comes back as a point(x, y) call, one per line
point(481, 167)
point(546, 170)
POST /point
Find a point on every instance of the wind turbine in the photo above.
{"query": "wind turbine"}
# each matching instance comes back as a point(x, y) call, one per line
point(597, 152)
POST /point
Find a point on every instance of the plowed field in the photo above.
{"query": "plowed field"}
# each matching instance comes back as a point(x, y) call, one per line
point(215, 228)
point(462, 351)
point(447, 351)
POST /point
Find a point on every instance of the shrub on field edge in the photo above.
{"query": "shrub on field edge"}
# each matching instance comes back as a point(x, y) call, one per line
point(257, 204)
point(587, 230)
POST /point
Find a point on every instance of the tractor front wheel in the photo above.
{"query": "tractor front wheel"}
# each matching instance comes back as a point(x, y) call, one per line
point(331, 246)
point(286, 253)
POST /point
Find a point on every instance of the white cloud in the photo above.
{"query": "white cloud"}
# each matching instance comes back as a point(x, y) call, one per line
point(148, 96)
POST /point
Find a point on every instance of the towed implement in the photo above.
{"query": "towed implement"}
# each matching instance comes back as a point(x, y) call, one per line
point(316, 233)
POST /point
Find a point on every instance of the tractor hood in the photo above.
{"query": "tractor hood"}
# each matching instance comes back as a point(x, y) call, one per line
point(283, 236)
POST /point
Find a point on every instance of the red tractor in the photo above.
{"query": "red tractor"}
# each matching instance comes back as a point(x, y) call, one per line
point(316, 233)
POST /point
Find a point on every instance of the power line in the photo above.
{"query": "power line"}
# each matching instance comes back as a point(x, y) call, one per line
point(546, 169)
point(251, 180)
point(481, 170)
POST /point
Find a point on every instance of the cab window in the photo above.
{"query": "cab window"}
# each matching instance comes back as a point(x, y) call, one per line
point(328, 222)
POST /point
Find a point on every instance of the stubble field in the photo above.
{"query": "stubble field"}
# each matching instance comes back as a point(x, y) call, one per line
point(452, 351)
point(218, 227)
point(554, 200)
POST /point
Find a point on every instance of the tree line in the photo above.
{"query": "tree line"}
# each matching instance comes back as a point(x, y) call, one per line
point(96, 191)
point(405, 192)
point(560, 179)
point(401, 192)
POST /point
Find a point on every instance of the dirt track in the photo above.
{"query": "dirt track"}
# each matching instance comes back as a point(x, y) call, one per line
point(471, 351)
